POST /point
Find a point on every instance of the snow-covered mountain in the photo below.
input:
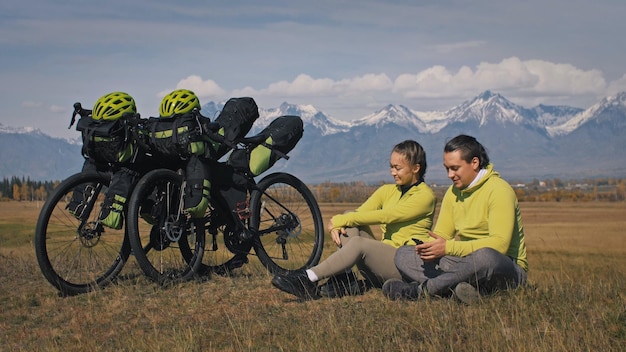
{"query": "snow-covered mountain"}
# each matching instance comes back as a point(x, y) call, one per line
point(524, 143)
point(309, 114)
point(28, 152)
point(607, 106)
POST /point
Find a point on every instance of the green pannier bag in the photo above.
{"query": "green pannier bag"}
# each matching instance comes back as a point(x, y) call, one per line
point(111, 213)
point(281, 136)
point(197, 188)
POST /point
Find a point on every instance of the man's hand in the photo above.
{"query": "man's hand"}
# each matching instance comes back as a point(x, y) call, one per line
point(430, 251)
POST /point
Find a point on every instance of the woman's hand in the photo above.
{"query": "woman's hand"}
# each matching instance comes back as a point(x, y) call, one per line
point(432, 250)
point(336, 233)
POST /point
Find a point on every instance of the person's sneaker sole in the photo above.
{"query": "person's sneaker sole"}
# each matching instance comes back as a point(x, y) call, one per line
point(286, 286)
point(466, 293)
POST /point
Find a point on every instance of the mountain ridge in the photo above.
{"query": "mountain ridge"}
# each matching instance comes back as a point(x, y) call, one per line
point(524, 143)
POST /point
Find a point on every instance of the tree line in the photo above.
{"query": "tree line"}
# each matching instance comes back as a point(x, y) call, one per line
point(602, 189)
point(16, 188)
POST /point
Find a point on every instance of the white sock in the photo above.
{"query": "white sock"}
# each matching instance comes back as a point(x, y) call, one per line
point(311, 275)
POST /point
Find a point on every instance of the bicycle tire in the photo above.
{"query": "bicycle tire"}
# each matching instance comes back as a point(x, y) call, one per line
point(166, 243)
point(75, 253)
point(287, 223)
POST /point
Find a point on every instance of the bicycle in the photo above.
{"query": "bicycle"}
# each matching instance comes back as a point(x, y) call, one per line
point(75, 252)
point(282, 223)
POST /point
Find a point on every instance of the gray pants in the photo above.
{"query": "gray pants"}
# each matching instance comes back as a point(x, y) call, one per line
point(486, 269)
point(373, 258)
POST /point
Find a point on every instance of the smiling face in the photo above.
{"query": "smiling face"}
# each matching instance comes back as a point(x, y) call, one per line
point(403, 172)
point(460, 171)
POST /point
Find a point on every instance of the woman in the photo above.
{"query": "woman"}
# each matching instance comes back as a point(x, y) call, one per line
point(403, 210)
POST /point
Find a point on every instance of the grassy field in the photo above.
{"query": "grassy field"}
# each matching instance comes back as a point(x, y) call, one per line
point(576, 301)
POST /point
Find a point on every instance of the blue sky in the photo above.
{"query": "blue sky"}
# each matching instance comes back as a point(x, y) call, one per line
point(347, 58)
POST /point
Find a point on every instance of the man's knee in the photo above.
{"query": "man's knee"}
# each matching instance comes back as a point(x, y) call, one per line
point(405, 255)
point(487, 257)
point(488, 262)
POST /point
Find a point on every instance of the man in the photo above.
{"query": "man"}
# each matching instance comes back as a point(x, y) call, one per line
point(477, 244)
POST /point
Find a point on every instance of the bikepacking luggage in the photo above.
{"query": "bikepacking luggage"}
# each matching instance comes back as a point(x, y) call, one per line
point(198, 185)
point(235, 121)
point(232, 188)
point(106, 141)
point(281, 136)
point(175, 138)
point(116, 197)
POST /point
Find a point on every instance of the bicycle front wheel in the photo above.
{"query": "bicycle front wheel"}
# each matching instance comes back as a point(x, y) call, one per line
point(288, 222)
point(76, 254)
point(167, 244)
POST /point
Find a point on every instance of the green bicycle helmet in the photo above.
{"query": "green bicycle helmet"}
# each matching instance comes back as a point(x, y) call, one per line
point(178, 102)
point(112, 106)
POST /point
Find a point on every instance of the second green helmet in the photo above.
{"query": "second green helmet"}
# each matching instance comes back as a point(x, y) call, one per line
point(178, 102)
point(112, 106)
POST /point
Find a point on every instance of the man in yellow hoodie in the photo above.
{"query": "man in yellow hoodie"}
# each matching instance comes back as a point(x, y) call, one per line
point(477, 245)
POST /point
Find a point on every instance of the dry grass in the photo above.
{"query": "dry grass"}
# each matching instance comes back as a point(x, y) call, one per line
point(576, 301)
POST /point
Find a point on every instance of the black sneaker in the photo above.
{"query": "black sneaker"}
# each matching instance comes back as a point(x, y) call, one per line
point(396, 289)
point(297, 283)
point(466, 293)
point(344, 284)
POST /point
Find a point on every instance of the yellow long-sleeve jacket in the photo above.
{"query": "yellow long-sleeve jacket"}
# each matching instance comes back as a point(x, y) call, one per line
point(401, 216)
point(485, 215)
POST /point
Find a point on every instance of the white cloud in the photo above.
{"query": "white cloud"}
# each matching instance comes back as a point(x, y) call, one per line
point(305, 86)
point(511, 76)
point(56, 108)
point(619, 85)
point(208, 89)
point(527, 82)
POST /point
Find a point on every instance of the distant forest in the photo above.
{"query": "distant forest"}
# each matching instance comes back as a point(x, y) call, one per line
point(17, 188)
point(601, 189)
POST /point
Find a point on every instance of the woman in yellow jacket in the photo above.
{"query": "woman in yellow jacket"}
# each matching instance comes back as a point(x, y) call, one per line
point(404, 210)
point(477, 246)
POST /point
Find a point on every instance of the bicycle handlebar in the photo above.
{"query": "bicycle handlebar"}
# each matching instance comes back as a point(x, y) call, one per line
point(78, 110)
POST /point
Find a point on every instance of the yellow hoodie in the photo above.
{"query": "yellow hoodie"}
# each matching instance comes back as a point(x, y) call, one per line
point(484, 215)
point(401, 216)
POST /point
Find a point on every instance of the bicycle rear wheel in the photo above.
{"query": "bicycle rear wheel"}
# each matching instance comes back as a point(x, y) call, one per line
point(167, 244)
point(288, 221)
point(76, 254)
